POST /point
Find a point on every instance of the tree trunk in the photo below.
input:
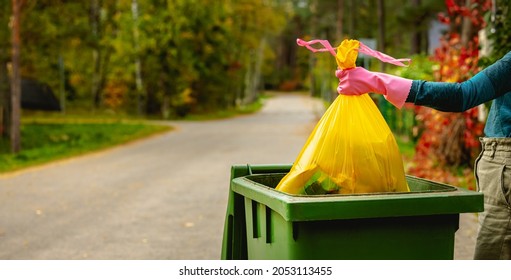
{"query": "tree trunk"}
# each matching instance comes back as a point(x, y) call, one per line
point(381, 30)
point(466, 27)
point(340, 20)
point(100, 55)
point(352, 18)
point(312, 58)
point(96, 59)
point(62, 84)
point(416, 41)
point(4, 100)
point(451, 148)
point(253, 73)
point(15, 134)
point(138, 63)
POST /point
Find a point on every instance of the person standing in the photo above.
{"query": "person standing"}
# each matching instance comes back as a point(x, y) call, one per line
point(493, 166)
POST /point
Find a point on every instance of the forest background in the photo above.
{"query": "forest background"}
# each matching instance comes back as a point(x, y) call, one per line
point(167, 59)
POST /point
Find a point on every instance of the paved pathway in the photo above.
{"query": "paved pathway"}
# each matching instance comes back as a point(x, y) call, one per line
point(161, 198)
point(465, 239)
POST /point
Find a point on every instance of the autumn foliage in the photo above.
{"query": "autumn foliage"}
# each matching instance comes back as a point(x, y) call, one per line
point(449, 143)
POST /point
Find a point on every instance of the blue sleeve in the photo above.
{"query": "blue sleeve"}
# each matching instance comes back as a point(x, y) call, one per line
point(492, 82)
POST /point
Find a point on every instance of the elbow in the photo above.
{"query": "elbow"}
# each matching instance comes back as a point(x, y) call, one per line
point(453, 109)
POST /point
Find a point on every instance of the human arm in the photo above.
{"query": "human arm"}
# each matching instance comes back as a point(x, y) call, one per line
point(492, 82)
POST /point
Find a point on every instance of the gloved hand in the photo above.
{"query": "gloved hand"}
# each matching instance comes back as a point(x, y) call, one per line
point(357, 81)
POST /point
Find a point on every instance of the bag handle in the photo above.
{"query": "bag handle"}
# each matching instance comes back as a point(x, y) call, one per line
point(362, 49)
point(308, 44)
point(383, 57)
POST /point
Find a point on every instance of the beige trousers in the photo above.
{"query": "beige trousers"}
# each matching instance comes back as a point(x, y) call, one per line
point(493, 174)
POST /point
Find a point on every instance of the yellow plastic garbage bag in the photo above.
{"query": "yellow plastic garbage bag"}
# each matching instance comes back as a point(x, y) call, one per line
point(351, 149)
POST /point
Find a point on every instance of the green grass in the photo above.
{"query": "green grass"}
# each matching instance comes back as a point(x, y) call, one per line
point(47, 140)
point(51, 136)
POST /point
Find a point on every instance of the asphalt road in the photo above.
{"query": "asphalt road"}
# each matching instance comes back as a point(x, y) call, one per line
point(161, 198)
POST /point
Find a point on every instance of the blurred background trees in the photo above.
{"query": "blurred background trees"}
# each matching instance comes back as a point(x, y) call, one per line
point(170, 58)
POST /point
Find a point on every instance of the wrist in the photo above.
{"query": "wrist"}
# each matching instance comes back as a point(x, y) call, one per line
point(397, 90)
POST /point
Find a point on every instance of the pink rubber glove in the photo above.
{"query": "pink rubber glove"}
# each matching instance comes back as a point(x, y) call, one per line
point(357, 81)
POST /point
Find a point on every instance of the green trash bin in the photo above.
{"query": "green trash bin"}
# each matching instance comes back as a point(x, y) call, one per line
point(262, 223)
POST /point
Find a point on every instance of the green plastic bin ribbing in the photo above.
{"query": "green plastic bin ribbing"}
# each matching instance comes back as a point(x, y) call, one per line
point(262, 223)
